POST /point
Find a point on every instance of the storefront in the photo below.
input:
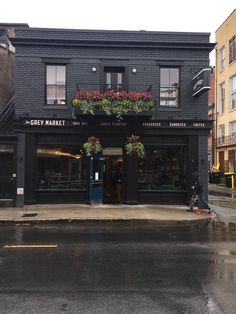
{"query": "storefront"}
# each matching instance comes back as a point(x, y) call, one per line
point(58, 170)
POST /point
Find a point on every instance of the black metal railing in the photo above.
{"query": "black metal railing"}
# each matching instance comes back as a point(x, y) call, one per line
point(101, 88)
point(226, 140)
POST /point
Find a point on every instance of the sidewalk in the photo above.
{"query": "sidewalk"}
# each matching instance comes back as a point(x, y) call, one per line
point(162, 215)
point(216, 189)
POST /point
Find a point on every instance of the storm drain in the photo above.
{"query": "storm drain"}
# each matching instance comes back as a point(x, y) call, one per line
point(30, 215)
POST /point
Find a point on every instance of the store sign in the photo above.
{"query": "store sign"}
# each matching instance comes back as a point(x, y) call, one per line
point(116, 124)
point(177, 124)
point(201, 82)
point(44, 122)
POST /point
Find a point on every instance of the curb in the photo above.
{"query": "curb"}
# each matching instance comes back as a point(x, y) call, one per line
point(133, 222)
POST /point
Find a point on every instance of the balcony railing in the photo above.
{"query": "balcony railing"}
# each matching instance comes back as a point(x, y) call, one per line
point(226, 140)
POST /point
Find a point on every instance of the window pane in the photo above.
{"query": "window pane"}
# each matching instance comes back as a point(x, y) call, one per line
point(165, 77)
point(169, 89)
point(56, 88)
point(233, 92)
point(174, 77)
point(61, 75)
point(119, 78)
point(51, 74)
point(61, 168)
point(51, 94)
point(61, 92)
point(162, 169)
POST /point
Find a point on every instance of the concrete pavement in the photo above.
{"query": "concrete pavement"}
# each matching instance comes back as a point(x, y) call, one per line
point(141, 214)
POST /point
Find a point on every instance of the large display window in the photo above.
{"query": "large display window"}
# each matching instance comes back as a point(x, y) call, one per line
point(61, 168)
point(162, 168)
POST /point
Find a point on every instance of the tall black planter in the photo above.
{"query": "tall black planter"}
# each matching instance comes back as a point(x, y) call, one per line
point(131, 180)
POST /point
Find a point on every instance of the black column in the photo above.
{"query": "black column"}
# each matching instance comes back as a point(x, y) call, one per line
point(192, 161)
point(130, 186)
point(30, 168)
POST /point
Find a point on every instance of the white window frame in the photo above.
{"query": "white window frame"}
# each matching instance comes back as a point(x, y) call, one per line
point(222, 133)
point(222, 58)
point(232, 131)
point(222, 98)
point(232, 103)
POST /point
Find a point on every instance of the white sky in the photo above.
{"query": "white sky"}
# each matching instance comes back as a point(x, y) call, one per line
point(150, 15)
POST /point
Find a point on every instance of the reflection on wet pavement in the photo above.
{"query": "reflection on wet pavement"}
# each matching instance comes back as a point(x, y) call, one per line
point(175, 270)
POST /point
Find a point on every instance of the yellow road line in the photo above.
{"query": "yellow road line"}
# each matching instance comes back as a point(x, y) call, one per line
point(30, 246)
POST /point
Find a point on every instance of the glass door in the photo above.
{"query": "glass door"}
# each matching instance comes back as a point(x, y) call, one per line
point(95, 179)
point(114, 78)
point(6, 173)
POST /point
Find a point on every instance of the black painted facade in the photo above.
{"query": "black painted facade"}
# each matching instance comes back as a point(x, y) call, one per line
point(183, 129)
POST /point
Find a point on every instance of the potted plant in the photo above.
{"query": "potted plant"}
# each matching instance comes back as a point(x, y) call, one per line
point(134, 146)
point(92, 146)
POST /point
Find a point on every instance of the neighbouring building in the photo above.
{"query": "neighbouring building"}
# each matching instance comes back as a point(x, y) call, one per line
point(226, 94)
point(146, 84)
point(212, 116)
point(8, 138)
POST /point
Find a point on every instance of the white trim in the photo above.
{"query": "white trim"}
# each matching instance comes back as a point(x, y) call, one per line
point(205, 87)
point(206, 69)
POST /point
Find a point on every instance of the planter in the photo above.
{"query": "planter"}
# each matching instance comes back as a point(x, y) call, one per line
point(99, 112)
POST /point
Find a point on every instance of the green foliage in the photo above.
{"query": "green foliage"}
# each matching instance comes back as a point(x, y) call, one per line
point(134, 146)
point(119, 103)
point(92, 146)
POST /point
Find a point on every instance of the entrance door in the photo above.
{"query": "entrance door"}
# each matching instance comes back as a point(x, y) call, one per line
point(6, 173)
point(222, 161)
point(114, 78)
point(113, 175)
point(95, 179)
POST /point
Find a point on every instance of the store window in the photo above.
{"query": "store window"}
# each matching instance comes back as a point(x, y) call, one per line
point(61, 168)
point(169, 87)
point(56, 84)
point(162, 169)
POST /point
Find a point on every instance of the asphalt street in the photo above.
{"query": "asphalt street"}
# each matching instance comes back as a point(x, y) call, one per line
point(91, 268)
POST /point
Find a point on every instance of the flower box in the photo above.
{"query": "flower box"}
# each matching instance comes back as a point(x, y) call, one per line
point(113, 103)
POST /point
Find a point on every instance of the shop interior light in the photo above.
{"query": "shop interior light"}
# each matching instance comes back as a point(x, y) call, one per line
point(44, 151)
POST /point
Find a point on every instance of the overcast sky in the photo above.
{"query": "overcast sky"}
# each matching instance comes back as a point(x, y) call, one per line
point(150, 15)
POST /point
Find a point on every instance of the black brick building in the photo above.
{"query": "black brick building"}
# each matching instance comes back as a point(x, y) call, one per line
point(53, 64)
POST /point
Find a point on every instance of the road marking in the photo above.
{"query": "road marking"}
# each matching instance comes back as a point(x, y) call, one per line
point(30, 246)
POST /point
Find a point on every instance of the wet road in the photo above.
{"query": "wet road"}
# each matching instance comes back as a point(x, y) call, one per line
point(68, 268)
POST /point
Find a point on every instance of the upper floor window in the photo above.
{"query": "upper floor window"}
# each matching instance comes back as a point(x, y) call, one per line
point(56, 84)
point(232, 49)
point(232, 131)
point(169, 87)
point(222, 98)
point(233, 92)
point(222, 58)
point(222, 133)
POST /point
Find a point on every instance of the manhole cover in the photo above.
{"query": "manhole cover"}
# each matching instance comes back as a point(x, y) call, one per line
point(30, 215)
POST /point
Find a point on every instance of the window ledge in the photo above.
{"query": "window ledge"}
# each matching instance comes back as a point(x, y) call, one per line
point(60, 107)
point(168, 109)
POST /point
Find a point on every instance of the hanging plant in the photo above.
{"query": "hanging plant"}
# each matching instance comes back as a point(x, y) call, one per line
point(92, 146)
point(134, 146)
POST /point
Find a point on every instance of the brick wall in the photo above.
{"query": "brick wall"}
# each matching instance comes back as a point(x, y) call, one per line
point(30, 89)
point(7, 76)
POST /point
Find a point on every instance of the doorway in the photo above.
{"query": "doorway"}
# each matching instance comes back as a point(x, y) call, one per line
point(6, 174)
point(113, 175)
